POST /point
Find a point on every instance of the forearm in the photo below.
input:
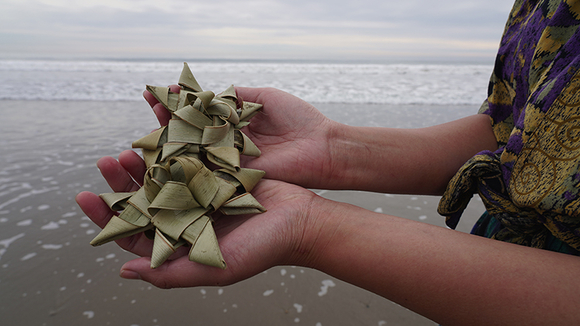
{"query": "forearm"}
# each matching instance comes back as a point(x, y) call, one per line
point(418, 161)
point(448, 276)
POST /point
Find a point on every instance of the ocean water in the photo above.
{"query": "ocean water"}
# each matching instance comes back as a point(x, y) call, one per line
point(443, 84)
point(59, 117)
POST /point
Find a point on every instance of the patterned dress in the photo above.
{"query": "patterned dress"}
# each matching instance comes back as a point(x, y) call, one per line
point(530, 186)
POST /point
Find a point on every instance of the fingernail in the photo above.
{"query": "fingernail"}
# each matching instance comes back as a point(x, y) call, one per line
point(130, 275)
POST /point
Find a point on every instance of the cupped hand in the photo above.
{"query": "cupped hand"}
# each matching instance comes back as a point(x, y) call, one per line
point(294, 138)
point(250, 244)
point(293, 135)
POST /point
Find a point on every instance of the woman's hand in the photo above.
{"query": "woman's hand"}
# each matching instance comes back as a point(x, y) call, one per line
point(250, 244)
point(293, 136)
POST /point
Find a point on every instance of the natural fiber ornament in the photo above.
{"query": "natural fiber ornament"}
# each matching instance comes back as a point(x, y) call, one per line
point(179, 192)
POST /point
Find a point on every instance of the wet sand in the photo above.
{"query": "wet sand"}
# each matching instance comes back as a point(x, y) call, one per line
point(50, 275)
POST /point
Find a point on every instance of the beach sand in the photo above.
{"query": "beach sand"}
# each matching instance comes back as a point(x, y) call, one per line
point(50, 275)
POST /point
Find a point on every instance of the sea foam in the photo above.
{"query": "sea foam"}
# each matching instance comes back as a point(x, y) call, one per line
point(314, 82)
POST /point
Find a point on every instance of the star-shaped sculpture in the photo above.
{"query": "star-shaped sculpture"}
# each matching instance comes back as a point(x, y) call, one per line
point(179, 192)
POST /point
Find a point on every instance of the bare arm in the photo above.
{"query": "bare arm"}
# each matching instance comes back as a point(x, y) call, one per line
point(299, 145)
point(448, 276)
point(417, 161)
point(451, 277)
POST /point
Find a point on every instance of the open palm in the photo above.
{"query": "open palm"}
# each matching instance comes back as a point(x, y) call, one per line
point(249, 244)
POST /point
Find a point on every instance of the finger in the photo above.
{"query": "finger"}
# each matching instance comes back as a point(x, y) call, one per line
point(174, 88)
point(134, 165)
point(150, 98)
point(94, 208)
point(177, 273)
point(162, 114)
point(117, 177)
point(249, 94)
point(160, 111)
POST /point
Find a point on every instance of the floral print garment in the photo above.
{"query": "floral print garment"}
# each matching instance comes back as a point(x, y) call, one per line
point(531, 184)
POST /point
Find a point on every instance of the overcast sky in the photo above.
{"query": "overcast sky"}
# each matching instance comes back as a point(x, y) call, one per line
point(359, 30)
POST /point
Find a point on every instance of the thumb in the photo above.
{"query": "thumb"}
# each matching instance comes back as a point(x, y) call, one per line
point(180, 272)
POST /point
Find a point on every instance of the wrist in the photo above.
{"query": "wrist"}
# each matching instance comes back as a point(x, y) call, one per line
point(358, 156)
point(343, 153)
point(315, 230)
point(322, 166)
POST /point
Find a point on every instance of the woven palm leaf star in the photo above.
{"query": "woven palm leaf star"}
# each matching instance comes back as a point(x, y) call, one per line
point(179, 192)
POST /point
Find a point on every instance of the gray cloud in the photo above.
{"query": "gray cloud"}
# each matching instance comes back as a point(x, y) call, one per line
point(298, 29)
